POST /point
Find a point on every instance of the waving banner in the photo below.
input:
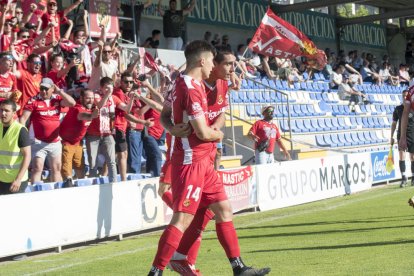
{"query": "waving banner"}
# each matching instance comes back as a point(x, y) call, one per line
point(103, 13)
point(276, 37)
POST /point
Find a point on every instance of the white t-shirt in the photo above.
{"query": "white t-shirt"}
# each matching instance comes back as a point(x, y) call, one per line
point(104, 70)
point(335, 78)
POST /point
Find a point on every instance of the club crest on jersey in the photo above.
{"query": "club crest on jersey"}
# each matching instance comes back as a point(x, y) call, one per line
point(220, 99)
point(186, 203)
point(196, 107)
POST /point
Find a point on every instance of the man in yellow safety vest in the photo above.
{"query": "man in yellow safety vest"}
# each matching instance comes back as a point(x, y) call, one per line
point(15, 153)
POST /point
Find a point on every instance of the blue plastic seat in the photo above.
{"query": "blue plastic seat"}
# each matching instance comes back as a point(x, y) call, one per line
point(315, 125)
point(266, 97)
point(134, 177)
point(40, 186)
point(362, 138)
point(59, 185)
point(298, 111)
point(284, 125)
point(308, 125)
point(368, 137)
point(322, 124)
point(371, 122)
point(320, 141)
point(83, 182)
point(328, 141)
point(329, 124)
point(341, 138)
point(102, 180)
point(348, 138)
point(336, 141)
point(355, 139)
point(335, 123)
point(304, 110)
point(301, 126)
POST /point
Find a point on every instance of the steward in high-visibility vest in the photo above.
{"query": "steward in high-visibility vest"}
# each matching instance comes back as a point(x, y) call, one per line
point(14, 150)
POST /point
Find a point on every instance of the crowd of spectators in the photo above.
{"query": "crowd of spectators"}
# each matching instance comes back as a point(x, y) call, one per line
point(81, 109)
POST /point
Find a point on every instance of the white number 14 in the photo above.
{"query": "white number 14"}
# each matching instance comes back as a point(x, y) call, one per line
point(195, 194)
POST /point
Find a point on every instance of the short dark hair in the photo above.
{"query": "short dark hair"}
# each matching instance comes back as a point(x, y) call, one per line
point(105, 81)
point(219, 57)
point(54, 56)
point(83, 92)
point(31, 57)
point(155, 32)
point(126, 74)
point(196, 48)
point(11, 103)
point(23, 30)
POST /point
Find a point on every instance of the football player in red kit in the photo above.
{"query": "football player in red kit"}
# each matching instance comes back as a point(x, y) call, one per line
point(195, 184)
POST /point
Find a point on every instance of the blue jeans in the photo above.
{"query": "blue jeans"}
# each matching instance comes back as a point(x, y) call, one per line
point(153, 155)
point(134, 140)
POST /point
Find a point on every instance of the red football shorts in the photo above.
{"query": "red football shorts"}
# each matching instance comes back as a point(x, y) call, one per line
point(165, 176)
point(195, 186)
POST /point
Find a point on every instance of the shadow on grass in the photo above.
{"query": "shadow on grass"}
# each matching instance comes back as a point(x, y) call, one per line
point(342, 246)
point(275, 235)
point(320, 223)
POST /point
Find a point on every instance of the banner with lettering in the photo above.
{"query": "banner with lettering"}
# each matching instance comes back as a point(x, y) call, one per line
point(237, 185)
point(379, 169)
point(276, 37)
point(103, 13)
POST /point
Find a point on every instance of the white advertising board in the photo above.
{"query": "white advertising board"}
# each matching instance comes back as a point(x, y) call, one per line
point(301, 181)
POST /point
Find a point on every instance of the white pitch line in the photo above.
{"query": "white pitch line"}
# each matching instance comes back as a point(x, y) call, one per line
point(330, 207)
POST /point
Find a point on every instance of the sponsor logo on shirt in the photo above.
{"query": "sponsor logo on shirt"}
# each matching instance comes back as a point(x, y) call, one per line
point(49, 112)
point(220, 99)
point(196, 107)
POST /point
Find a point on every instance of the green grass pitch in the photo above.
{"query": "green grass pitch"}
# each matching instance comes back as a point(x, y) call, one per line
point(370, 233)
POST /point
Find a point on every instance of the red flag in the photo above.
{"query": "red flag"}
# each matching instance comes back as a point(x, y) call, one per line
point(151, 62)
point(276, 37)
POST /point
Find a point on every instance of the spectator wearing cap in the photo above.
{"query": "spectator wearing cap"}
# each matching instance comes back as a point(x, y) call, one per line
point(8, 81)
point(44, 110)
point(14, 151)
point(265, 134)
point(72, 130)
point(28, 81)
point(172, 23)
point(52, 15)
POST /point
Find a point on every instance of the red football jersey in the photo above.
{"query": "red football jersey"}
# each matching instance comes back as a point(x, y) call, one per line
point(189, 103)
point(156, 130)
point(410, 97)
point(120, 120)
point(266, 131)
point(29, 85)
point(59, 17)
point(217, 99)
point(73, 130)
point(60, 82)
point(5, 42)
point(8, 83)
point(45, 117)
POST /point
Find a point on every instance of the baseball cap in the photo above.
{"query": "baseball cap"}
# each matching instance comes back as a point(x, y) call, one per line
point(46, 82)
point(265, 108)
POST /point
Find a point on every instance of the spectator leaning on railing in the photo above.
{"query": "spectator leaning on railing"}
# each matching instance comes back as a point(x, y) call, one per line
point(14, 151)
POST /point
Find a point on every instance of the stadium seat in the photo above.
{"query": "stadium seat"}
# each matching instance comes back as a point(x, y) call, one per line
point(328, 140)
point(59, 185)
point(362, 138)
point(40, 186)
point(135, 177)
point(335, 123)
point(301, 126)
point(334, 139)
point(102, 180)
point(329, 124)
point(320, 141)
point(349, 139)
point(297, 110)
point(83, 182)
point(251, 111)
point(356, 139)
point(315, 125)
point(322, 125)
point(341, 139)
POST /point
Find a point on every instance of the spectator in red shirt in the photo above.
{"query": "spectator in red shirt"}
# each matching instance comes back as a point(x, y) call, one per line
point(265, 134)
point(72, 130)
point(59, 70)
point(44, 110)
point(6, 27)
point(99, 135)
point(8, 82)
point(28, 81)
point(57, 17)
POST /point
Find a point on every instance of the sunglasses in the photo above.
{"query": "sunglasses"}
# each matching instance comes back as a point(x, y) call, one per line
point(25, 36)
point(128, 82)
point(37, 62)
point(42, 88)
point(52, 4)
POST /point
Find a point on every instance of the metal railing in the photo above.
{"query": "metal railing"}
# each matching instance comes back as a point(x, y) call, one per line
point(264, 95)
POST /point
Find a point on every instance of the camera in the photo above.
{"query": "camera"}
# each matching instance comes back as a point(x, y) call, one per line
point(142, 77)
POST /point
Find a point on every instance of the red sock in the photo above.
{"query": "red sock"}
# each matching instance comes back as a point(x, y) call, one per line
point(228, 238)
point(167, 245)
point(167, 198)
point(190, 243)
